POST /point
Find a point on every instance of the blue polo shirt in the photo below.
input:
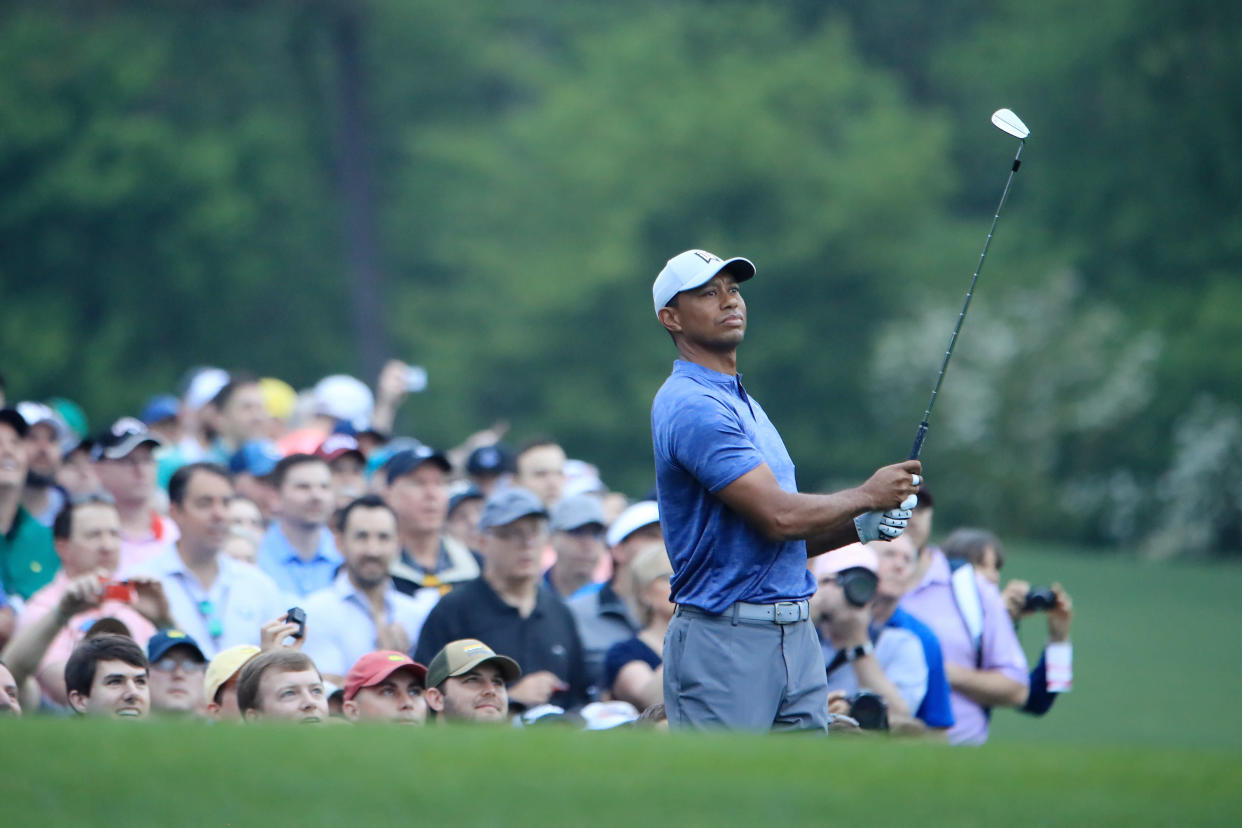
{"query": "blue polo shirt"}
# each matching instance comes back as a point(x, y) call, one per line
point(294, 576)
point(935, 711)
point(707, 432)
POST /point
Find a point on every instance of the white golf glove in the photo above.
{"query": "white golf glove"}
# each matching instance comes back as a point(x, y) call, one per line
point(872, 526)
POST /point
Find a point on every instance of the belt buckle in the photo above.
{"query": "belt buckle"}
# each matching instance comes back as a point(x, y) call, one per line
point(792, 606)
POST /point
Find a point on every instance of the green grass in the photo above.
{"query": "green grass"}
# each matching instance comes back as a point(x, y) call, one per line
point(1150, 735)
point(1157, 658)
point(99, 773)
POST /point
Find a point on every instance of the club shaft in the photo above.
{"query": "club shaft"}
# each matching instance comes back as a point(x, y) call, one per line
point(921, 434)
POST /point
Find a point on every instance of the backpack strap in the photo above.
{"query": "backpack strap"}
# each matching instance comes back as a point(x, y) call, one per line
point(969, 604)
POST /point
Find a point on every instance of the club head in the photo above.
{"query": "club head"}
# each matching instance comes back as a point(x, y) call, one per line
point(1006, 121)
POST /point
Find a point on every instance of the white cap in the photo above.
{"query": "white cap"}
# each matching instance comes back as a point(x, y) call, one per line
point(643, 513)
point(204, 387)
point(343, 397)
point(692, 269)
point(856, 555)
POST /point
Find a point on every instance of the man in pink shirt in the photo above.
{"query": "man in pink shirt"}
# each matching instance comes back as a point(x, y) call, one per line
point(984, 672)
point(87, 534)
point(125, 465)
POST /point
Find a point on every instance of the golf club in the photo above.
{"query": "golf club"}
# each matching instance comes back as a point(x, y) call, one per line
point(1006, 121)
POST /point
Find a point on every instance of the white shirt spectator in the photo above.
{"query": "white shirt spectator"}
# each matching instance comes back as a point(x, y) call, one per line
point(242, 599)
point(340, 628)
point(899, 654)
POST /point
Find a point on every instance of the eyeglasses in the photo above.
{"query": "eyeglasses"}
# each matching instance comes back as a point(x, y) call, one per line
point(169, 665)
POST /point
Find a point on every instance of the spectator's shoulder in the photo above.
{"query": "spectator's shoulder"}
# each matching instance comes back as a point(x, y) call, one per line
point(249, 574)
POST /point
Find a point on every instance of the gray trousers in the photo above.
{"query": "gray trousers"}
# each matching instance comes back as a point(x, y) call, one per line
point(743, 675)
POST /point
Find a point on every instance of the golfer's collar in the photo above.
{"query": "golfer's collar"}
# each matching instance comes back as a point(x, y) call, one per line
point(693, 369)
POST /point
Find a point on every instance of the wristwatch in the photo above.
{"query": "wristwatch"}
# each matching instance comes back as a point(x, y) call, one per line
point(858, 651)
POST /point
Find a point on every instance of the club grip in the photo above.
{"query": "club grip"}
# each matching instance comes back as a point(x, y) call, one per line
point(918, 441)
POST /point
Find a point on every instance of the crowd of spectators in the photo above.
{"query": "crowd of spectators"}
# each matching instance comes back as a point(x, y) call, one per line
point(243, 552)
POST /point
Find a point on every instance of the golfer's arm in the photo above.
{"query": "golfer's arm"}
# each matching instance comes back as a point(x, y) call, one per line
point(781, 515)
point(990, 688)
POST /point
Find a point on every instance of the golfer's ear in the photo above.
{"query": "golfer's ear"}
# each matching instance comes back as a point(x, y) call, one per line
point(668, 318)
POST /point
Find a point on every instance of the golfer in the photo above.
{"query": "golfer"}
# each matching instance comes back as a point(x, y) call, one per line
point(741, 652)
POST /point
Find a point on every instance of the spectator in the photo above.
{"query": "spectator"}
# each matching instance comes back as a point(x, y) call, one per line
point(890, 663)
point(633, 670)
point(361, 611)
point(577, 525)
point(462, 524)
point(298, 551)
point(10, 696)
point(176, 678)
point(986, 671)
point(126, 468)
point(239, 416)
point(540, 468)
point(347, 465)
point(336, 399)
point(107, 677)
point(466, 682)
point(488, 466)
point(220, 681)
point(27, 560)
point(896, 563)
point(610, 615)
point(217, 600)
point(418, 493)
point(386, 686)
point(77, 475)
point(252, 467)
point(88, 541)
point(45, 441)
point(511, 609)
point(162, 417)
point(1053, 674)
point(282, 685)
point(245, 517)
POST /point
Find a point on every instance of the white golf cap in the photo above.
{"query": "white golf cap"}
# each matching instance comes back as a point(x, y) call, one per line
point(693, 268)
point(854, 556)
point(347, 398)
point(643, 513)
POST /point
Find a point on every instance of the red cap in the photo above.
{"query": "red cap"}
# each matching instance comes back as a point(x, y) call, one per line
point(337, 445)
point(374, 667)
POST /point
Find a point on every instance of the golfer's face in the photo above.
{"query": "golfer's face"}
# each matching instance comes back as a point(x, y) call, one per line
point(714, 314)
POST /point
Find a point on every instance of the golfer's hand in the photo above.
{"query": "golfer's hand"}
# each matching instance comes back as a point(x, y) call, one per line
point(886, 526)
point(895, 486)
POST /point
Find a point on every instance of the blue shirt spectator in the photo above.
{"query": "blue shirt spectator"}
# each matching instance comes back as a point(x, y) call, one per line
point(935, 710)
point(297, 576)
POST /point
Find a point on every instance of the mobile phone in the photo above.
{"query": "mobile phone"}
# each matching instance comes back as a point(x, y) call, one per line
point(118, 591)
point(297, 615)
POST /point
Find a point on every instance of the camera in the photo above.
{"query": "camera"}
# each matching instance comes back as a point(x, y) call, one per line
point(1039, 599)
point(297, 615)
point(869, 710)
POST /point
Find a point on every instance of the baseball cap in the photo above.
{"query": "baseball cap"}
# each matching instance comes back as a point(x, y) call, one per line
point(461, 495)
point(510, 504)
point(257, 458)
point(165, 640)
point(13, 418)
point(406, 461)
point(643, 513)
point(493, 459)
point(279, 398)
point(203, 385)
point(343, 397)
point(854, 556)
point(121, 438)
point(462, 656)
point(224, 666)
point(159, 408)
point(376, 666)
point(607, 715)
point(337, 445)
point(576, 512)
point(693, 268)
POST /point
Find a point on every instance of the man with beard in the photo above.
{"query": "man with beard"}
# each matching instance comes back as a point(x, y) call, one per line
point(45, 445)
point(466, 683)
point(361, 611)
